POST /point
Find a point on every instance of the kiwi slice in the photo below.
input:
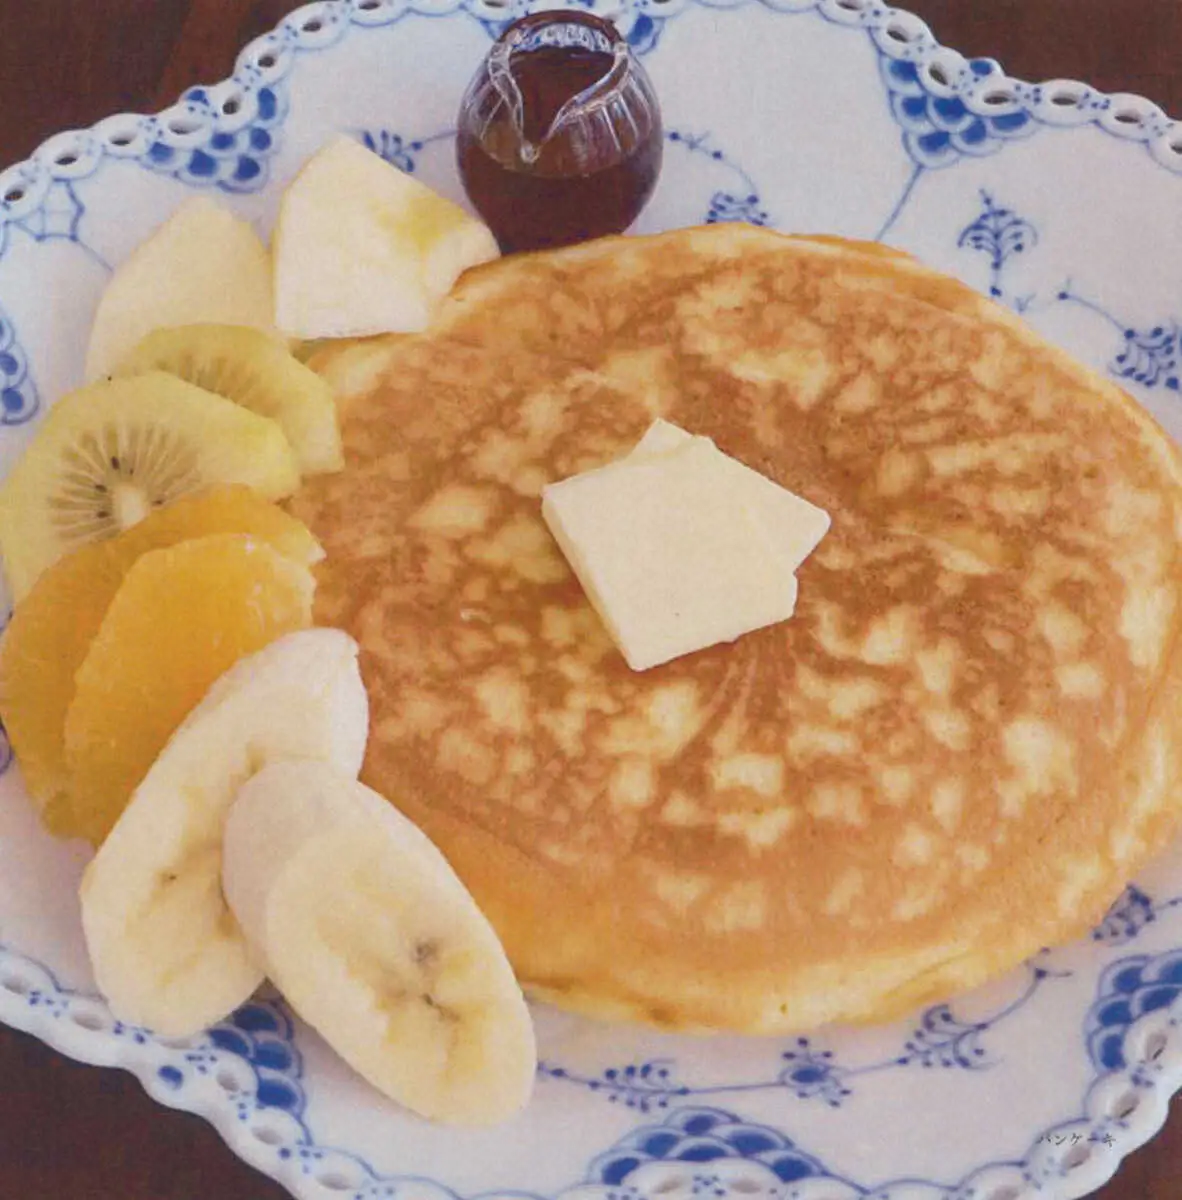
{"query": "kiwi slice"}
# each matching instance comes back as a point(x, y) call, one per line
point(108, 454)
point(254, 370)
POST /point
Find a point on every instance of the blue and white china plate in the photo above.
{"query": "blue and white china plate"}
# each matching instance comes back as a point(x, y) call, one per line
point(817, 115)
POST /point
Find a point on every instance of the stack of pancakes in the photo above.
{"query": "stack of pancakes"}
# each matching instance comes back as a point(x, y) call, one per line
point(963, 744)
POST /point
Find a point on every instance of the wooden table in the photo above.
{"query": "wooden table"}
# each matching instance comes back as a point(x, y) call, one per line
point(73, 1131)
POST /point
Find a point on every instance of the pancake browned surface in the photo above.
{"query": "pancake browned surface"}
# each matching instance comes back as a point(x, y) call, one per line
point(959, 749)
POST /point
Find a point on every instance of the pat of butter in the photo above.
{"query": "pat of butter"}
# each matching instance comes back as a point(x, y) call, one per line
point(794, 526)
point(659, 438)
point(668, 553)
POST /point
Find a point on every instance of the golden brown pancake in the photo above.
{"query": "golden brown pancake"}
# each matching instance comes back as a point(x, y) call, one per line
point(965, 741)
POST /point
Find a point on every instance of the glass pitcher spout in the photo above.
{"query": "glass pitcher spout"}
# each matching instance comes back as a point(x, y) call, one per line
point(605, 54)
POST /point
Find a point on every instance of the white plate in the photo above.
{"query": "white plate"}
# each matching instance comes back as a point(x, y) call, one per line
point(841, 116)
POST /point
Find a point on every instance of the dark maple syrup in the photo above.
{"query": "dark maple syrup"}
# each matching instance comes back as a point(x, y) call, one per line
point(567, 145)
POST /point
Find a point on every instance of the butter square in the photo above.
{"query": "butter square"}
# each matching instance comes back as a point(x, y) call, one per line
point(659, 438)
point(794, 526)
point(668, 552)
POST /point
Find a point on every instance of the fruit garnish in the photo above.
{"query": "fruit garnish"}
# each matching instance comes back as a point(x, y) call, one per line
point(253, 370)
point(108, 454)
point(374, 941)
point(182, 616)
point(202, 264)
point(51, 630)
point(166, 951)
point(362, 248)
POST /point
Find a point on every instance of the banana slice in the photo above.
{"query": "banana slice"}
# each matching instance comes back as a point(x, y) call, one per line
point(166, 951)
point(364, 927)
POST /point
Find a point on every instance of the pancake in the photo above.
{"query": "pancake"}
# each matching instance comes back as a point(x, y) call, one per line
point(963, 744)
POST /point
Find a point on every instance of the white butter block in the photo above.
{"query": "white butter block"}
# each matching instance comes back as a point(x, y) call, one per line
point(659, 438)
point(668, 553)
point(794, 526)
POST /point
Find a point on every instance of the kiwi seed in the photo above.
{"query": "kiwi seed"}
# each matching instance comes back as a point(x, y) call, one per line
point(113, 477)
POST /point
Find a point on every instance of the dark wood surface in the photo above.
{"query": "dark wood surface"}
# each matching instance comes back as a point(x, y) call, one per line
point(73, 1131)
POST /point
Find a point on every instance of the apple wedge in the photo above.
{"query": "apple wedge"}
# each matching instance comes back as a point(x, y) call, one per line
point(203, 265)
point(361, 248)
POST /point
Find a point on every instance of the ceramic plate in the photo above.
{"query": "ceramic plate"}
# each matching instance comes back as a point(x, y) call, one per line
point(842, 116)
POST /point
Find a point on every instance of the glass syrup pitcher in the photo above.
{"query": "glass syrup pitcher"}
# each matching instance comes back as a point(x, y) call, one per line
point(559, 136)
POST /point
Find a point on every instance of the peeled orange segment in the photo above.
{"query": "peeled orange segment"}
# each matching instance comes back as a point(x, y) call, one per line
point(182, 617)
point(253, 370)
point(202, 264)
point(223, 508)
point(361, 248)
point(108, 454)
point(51, 630)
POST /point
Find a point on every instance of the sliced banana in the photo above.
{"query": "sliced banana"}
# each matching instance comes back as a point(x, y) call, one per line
point(253, 370)
point(375, 942)
point(166, 951)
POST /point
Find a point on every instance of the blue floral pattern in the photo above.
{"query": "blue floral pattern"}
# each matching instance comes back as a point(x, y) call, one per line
point(262, 1035)
point(939, 128)
point(943, 1040)
point(813, 1073)
point(645, 1087)
point(1148, 357)
point(19, 400)
point(701, 1139)
point(999, 233)
point(741, 204)
point(1129, 989)
point(236, 138)
point(1129, 914)
point(398, 151)
point(810, 1072)
point(58, 216)
point(726, 207)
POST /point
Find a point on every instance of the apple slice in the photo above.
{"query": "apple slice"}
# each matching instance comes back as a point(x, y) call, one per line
point(203, 265)
point(362, 248)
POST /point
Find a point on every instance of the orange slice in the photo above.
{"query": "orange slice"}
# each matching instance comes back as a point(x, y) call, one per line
point(181, 618)
point(53, 626)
